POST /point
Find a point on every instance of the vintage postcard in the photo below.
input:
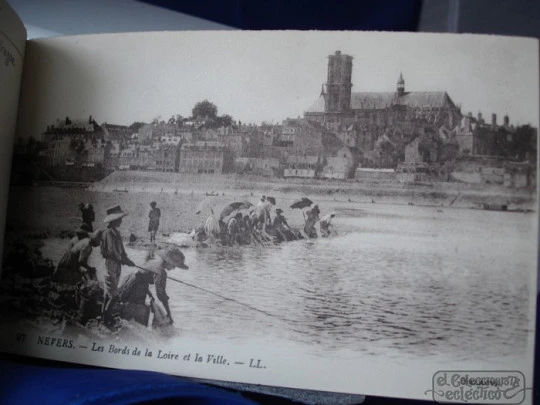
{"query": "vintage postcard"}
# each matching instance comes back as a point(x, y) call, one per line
point(348, 212)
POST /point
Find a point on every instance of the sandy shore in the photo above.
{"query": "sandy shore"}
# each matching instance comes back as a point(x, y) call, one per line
point(388, 191)
point(53, 210)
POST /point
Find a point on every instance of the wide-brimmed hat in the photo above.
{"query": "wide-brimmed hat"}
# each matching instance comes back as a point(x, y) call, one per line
point(173, 256)
point(114, 213)
point(279, 210)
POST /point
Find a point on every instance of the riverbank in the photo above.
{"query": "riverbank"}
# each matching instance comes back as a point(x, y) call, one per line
point(453, 194)
point(52, 211)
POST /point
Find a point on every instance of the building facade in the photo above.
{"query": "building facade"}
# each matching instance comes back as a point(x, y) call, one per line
point(201, 157)
point(167, 158)
point(361, 119)
point(66, 140)
point(340, 165)
point(337, 103)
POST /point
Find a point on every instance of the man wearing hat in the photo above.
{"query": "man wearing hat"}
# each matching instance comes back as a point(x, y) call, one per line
point(136, 288)
point(112, 250)
point(73, 266)
point(165, 260)
point(133, 294)
point(154, 215)
point(281, 226)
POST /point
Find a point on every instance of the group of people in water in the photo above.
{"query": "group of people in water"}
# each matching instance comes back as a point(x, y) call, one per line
point(254, 224)
point(129, 299)
point(133, 299)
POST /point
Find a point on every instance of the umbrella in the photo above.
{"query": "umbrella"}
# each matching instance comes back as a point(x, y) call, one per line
point(302, 203)
point(272, 200)
point(233, 207)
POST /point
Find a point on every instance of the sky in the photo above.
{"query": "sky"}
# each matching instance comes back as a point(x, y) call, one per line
point(265, 76)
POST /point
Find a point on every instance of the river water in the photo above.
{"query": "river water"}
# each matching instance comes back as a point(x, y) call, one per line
point(416, 281)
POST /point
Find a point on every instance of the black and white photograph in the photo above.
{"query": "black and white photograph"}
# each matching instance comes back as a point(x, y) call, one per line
point(343, 210)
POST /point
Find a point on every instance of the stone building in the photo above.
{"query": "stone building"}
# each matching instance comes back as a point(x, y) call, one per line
point(95, 152)
point(113, 132)
point(307, 138)
point(254, 144)
point(170, 139)
point(302, 166)
point(507, 141)
point(340, 165)
point(267, 167)
point(201, 157)
point(464, 134)
point(360, 119)
point(337, 103)
point(422, 149)
point(112, 155)
point(153, 132)
point(167, 157)
point(138, 157)
point(65, 140)
point(58, 151)
point(236, 142)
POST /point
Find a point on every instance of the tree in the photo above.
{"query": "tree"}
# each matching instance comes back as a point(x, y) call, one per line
point(175, 120)
point(226, 120)
point(136, 126)
point(204, 109)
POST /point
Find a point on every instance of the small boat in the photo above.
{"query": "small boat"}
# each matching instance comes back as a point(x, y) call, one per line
point(212, 194)
point(495, 207)
point(125, 190)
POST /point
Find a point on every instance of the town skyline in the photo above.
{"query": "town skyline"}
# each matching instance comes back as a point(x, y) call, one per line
point(262, 77)
point(277, 121)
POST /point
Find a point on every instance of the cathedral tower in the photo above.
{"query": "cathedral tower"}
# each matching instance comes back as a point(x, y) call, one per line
point(400, 85)
point(338, 85)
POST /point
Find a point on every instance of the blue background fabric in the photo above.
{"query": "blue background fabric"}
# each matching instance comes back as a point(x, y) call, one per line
point(31, 384)
point(386, 15)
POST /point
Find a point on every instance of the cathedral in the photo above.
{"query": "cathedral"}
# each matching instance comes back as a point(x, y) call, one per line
point(402, 128)
point(338, 107)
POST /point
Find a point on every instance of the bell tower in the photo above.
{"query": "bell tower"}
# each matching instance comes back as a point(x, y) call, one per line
point(400, 85)
point(338, 84)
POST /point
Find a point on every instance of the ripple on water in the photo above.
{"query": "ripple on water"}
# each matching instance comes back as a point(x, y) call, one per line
point(406, 282)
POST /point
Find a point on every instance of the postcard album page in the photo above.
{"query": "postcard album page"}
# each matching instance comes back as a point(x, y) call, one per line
point(349, 212)
point(12, 44)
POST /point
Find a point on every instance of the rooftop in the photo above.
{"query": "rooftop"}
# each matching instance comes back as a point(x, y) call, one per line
point(382, 100)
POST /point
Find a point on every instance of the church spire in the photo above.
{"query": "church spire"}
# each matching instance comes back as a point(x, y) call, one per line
point(400, 85)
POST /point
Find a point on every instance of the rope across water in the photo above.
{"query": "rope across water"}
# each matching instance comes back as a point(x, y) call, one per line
point(223, 297)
